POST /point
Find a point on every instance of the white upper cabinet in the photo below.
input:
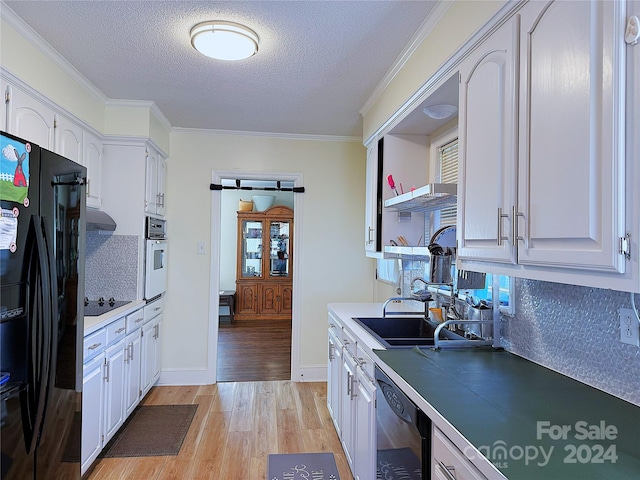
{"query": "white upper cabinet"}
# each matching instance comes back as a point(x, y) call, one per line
point(542, 105)
point(373, 203)
point(155, 183)
point(571, 191)
point(92, 159)
point(68, 139)
point(487, 147)
point(30, 119)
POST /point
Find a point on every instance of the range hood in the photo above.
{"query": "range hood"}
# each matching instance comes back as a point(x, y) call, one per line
point(99, 221)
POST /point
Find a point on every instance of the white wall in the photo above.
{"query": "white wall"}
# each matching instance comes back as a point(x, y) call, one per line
point(333, 266)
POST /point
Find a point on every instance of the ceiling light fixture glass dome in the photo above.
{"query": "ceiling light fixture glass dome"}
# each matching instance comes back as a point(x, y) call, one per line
point(224, 40)
point(440, 111)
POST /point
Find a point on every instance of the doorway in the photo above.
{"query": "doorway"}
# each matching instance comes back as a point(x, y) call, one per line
point(254, 349)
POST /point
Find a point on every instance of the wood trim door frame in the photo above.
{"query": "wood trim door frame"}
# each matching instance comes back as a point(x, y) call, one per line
point(214, 267)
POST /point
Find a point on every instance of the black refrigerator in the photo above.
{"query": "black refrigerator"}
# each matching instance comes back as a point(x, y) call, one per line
point(42, 244)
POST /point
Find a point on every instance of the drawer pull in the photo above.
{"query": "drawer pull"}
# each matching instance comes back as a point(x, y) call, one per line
point(120, 330)
point(449, 472)
point(138, 320)
point(94, 346)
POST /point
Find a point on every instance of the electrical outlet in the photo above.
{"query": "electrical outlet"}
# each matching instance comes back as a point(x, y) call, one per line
point(629, 327)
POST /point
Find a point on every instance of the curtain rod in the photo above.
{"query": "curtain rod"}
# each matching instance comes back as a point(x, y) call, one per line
point(237, 186)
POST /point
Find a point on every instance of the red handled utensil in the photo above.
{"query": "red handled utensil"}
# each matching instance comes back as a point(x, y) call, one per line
point(392, 184)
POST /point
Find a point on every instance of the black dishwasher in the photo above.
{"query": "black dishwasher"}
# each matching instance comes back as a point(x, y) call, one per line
point(403, 434)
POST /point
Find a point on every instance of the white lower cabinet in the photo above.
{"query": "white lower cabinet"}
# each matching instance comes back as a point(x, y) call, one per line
point(448, 462)
point(114, 389)
point(111, 382)
point(364, 452)
point(335, 379)
point(351, 395)
point(133, 364)
point(92, 407)
point(150, 345)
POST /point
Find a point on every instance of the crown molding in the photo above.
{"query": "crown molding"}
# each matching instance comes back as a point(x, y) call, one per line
point(286, 136)
point(48, 51)
point(423, 32)
point(152, 106)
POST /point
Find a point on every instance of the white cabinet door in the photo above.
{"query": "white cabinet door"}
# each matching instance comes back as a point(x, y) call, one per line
point(365, 428)
point(4, 88)
point(571, 188)
point(151, 184)
point(488, 143)
point(156, 172)
point(347, 405)
point(92, 159)
point(373, 201)
point(150, 353)
point(92, 408)
point(334, 384)
point(68, 139)
point(161, 180)
point(114, 389)
point(30, 120)
point(133, 366)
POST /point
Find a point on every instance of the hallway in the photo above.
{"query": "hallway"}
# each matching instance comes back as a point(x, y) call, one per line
point(254, 350)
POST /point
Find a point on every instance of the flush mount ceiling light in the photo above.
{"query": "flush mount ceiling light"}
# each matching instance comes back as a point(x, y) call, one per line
point(440, 111)
point(224, 40)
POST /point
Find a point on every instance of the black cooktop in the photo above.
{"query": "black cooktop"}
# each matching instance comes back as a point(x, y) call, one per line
point(95, 308)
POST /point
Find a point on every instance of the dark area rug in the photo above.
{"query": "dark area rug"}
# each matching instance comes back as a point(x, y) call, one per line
point(398, 464)
point(152, 430)
point(295, 466)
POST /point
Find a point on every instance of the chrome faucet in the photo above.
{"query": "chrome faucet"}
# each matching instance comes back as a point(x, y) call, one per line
point(426, 284)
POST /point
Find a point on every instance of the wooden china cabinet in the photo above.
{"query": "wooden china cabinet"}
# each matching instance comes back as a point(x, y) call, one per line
point(264, 282)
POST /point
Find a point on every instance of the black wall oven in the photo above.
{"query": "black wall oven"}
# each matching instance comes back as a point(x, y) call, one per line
point(403, 434)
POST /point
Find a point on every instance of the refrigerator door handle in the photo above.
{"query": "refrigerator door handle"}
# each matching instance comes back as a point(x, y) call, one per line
point(42, 342)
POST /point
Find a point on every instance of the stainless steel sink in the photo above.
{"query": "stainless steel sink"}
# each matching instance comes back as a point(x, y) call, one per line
point(403, 332)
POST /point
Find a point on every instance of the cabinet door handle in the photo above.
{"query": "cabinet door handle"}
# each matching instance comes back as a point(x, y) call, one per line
point(515, 216)
point(106, 371)
point(349, 384)
point(88, 191)
point(449, 472)
point(369, 239)
point(331, 347)
point(500, 217)
point(353, 393)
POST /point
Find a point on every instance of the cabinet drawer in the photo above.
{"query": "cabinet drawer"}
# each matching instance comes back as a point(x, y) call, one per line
point(116, 330)
point(135, 320)
point(366, 363)
point(449, 462)
point(349, 341)
point(153, 309)
point(94, 344)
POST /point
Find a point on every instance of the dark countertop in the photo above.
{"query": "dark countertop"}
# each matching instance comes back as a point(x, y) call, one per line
point(497, 401)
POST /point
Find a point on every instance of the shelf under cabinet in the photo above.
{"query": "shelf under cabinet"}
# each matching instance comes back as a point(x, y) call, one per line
point(427, 198)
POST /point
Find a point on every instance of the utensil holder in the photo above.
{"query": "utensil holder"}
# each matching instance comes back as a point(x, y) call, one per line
point(440, 269)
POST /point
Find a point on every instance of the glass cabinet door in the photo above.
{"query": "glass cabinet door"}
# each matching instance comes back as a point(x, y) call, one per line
point(251, 248)
point(279, 252)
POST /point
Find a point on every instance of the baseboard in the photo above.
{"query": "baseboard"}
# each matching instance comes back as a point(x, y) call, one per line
point(310, 374)
point(185, 377)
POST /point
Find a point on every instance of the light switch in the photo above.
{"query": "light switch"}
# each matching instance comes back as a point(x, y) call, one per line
point(202, 248)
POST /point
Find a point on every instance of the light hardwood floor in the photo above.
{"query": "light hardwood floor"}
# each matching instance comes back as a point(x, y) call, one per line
point(236, 426)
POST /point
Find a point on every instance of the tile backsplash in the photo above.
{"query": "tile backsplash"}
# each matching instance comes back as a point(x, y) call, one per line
point(575, 331)
point(111, 266)
point(570, 329)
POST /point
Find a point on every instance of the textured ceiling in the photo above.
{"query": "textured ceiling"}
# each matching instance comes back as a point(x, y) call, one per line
point(319, 61)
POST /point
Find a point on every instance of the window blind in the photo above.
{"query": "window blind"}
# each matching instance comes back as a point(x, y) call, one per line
point(448, 160)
